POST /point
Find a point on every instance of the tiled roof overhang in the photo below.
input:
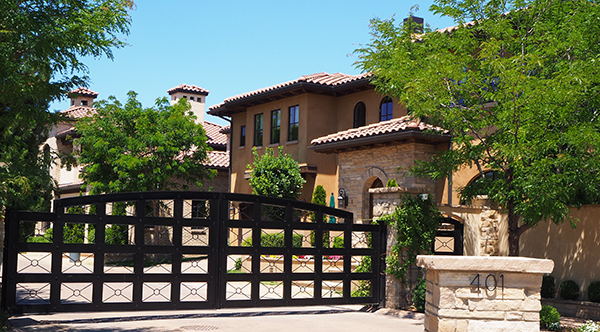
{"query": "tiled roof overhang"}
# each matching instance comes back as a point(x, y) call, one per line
point(237, 105)
point(393, 138)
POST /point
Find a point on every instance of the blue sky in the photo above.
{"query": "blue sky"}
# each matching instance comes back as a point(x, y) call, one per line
point(231, 47)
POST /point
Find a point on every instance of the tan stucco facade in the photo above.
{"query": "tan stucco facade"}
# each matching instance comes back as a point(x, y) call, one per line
point(319, 115)
point(573, 250)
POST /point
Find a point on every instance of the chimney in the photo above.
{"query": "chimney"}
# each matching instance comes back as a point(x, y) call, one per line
point(82, 97)
point(417, 22)
point(195, 95)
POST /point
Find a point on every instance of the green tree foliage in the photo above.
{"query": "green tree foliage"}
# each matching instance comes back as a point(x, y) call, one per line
point(518, 89)
point(130, 148)
point(41, 47)
point(319, 196)
point(275, 176)
point(415, 222)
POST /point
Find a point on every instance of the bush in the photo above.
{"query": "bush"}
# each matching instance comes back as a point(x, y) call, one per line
point(549, 318)
point(589, 326)
point(548, 287)
point(569, 290)
point(419, 295)
point(594, 291)
point(274, 240)
point(392, 183)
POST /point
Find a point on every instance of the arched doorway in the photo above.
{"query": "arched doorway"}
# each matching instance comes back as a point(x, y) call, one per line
point(449, 238)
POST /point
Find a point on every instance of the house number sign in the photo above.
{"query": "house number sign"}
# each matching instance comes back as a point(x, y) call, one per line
point(490, 282)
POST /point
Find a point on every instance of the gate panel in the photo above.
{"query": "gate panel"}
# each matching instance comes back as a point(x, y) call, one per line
point(187, 250)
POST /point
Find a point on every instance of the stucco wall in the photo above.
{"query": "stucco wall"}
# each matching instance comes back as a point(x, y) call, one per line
point(319, 115)
point(574, 251)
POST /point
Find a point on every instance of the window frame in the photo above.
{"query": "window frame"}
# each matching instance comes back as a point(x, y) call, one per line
point(258, 129)
point(275, 127)
point(358, 113)
point(389, 109)
point(293, 122)
point(243, 135)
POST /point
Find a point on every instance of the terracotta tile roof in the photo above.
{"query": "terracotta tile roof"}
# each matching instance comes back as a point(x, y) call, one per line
point(217, 159)
point(214, 134)
point(64, 133)
point(226, 130)
point(323, 79)
point(188, 88)
point(84, 92)
point(77, 112)
point(396, 125)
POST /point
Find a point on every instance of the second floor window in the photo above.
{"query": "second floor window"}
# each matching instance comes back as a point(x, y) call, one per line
point(258, 129)
point(293, 124)
point(243, 136)
point(359, 115)
point(275, 126)
point(386, 109)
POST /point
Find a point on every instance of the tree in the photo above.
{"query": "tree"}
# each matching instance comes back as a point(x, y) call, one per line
point(275, 176)
point(41, 45)
point(130, 148)
point(516, 84)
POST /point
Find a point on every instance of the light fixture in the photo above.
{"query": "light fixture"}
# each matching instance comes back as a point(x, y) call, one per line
point(342, 198)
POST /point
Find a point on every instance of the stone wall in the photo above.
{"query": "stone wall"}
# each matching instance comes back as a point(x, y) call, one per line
point(359, 168)
point(468, 294)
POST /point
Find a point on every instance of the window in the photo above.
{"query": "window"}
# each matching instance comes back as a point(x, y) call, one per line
point(258, 129)
point(243, 136)
point(275, 126)
point(359, 115)
point(192, 98)
point(385, 109)
point(293, 124)
point(84, 103)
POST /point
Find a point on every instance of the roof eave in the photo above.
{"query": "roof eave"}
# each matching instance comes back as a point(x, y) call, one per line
point(239, 105)
point(333, 147)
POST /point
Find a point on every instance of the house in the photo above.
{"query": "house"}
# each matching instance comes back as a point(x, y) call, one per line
point(292, 114)
point(352, 140)
point(60, 138)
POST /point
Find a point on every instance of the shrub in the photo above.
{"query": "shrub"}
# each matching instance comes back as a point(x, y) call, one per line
point(548, 287)
point(392, 183)
point(594, 291)
point(549, 318)
point(569, 290)
point(419, 295)
point(589, 326)
point(274, 240)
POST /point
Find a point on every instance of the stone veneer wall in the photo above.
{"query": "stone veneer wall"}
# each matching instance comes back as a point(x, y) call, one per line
point(398, 294)
point(359, 168)
point(472, 294)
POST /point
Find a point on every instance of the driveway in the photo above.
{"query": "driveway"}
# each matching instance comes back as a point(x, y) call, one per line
point(289, 319)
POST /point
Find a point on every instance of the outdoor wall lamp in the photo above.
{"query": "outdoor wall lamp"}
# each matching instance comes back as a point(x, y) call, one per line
point(342, 198)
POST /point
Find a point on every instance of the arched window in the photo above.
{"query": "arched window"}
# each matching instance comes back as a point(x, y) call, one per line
point(386, 109)
point(359, 115)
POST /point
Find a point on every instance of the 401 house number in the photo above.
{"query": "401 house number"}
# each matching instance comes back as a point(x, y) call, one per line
point(490, 282)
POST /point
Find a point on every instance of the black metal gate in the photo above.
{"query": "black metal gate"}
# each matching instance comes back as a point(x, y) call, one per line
point(187, 250)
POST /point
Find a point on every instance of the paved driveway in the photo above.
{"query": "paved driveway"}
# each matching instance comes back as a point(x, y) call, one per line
point(294, 319)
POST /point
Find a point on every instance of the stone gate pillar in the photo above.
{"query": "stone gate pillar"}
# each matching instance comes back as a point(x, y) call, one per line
point(475, 293)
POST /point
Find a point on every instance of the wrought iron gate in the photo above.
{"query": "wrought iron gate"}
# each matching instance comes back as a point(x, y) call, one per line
point(187, 250)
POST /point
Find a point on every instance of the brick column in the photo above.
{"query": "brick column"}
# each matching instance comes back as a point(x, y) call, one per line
point(473, 293)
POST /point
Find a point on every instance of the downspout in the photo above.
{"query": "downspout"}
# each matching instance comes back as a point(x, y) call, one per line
point(230, 147)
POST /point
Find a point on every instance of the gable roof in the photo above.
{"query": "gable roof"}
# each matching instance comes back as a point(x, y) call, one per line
point(385, 131)
point(322, 83)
